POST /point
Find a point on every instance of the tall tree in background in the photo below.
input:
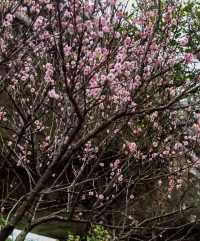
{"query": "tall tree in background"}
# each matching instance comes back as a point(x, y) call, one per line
point(96, 107)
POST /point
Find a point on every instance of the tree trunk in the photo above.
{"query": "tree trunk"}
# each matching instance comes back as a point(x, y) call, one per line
point(27, 228)
point(22, 235)
point(8, 229)
point(5, 232)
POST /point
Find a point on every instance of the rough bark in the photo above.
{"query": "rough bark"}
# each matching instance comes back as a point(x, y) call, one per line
point(8, 229)
point(5, 232)
point(22, 235)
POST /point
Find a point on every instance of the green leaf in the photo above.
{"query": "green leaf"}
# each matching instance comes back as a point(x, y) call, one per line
point(188, 7)
point(198, 13)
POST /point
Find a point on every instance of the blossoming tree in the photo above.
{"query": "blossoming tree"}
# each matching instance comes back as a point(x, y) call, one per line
point(96, 110)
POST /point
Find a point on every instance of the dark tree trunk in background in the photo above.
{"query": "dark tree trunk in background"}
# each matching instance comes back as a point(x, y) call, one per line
point(5, 232)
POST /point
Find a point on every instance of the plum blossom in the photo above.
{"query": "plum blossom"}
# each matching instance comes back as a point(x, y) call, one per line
point(67, 50)
point(52, 94)
point(127, 41)
point(2, 45)
point(9, 17)
point(101, 196)
point(188, 57)
point(9, 143)
point(38, 22)
point(49, 73)
point(86, 70)
point(171, 184)
point(116, 163)
point(184, 41)
point(91, 193)
point(8, 20)
point(111, 2)
point(2, 115)
point(44, 1)
point(132, 146)
point(120, 178)
point(106, 29)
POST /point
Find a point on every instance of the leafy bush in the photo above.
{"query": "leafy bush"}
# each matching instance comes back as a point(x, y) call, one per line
point(97, 233)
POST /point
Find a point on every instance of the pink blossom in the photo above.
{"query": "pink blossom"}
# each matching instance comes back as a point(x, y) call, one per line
point(52, 94)
point(137, 78)
point(188, 58)
point(127, 41)
point(155, 144)
point(44, 1)
point(2, 115)
point(160, 182)
point(86, 70)
point(91, 193)
point(120, 13)
point(106, 29)
point(116, 163)
point(10, 143)
point(67, 50)
point(9, 17)
point(2, 45)
point(49, 73)
point(49, 6)
point(171, 184)
point(132, 146)
point(101, 196)
point(120, 178)
point(184, 41)
point(101, 34)
point(38, 22)
point(111, 2)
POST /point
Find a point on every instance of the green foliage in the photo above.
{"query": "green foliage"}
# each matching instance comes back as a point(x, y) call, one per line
point(97, 233)
point(2, 222)
point(9, 239)
point(179, 77)
point(188, 7)
point(73, 237)
point(198, 13)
